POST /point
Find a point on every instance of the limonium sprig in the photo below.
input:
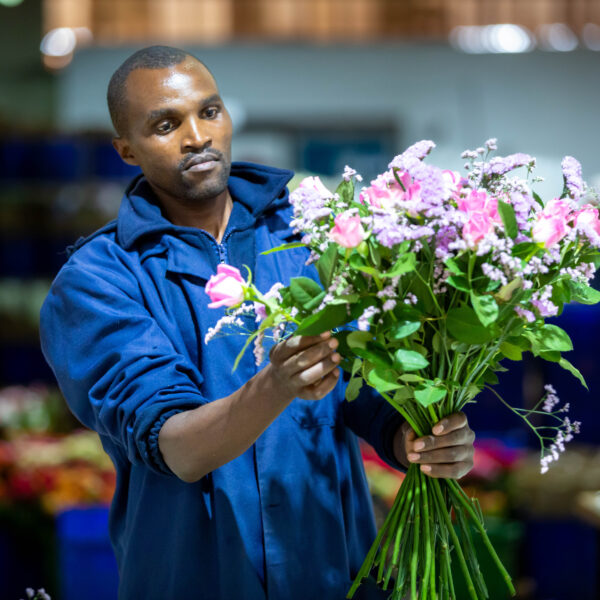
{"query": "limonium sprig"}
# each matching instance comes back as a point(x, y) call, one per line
point(429, 278)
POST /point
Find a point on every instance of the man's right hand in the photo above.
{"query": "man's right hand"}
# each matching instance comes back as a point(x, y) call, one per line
point(305, 366)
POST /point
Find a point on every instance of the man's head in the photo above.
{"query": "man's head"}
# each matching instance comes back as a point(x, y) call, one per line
point(172, 123)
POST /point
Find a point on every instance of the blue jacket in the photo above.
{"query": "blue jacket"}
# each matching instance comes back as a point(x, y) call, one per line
point(123, 329)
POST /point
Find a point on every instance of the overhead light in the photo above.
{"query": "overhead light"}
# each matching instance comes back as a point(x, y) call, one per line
point(556, 37)
point(503, 38)
point(10, 3)
point(591, 36)
point(58, 45)
point(59, 42)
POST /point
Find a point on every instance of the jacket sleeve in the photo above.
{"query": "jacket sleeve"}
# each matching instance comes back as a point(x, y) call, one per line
point(118, 371)
point(374, 420)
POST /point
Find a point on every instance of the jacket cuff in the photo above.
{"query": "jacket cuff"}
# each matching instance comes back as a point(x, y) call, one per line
point(154, 454)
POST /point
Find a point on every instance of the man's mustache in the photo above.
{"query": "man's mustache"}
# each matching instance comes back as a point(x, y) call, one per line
point(193, 158)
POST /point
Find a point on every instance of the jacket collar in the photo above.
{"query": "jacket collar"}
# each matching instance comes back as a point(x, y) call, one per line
point(258, 189)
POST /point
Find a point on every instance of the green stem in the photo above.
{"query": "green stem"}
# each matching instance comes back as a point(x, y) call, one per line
point(455, 541)
point(452, 486)
point(428, 543)
point(404, 413)
point(417, 528)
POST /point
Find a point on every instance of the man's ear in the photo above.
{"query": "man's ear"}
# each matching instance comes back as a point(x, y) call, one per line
point(121, 145)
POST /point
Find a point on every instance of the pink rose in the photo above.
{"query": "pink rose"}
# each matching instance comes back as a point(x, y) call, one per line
point(587, 218)
point(386, 192)
point(477, 227)
point(226, 288)
point(557, 208)
point(549, 230)
point(315, 186)
point(347, 231)
point(479, 201)
point(452, 182)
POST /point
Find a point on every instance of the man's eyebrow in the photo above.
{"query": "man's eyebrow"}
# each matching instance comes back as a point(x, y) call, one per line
point(167, 112)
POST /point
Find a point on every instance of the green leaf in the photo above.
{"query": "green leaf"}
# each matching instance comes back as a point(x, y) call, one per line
point(538, 199)
point(403, 394)
point(383, 380)
point(315, 302)
point(464, 326)
point(326, 265)
point(526, 250)
point(326, 319)
point(549, 338)
point(303, 290)
point(584, 294)
point(429, 395)
point(285, 247)
point(411, 378)
point(375, 354)
point(472, 391)
point(404, 264)
point(358, 339)
point(490, 377)
point(436, 342)
point(565, 364)
point(460, 282)
point(357, 262)
point(346, 191)
point(453, 266)
point(485, 307)
point(403, 329)
point(507, 214)
point(551, 356)
point(408, 360)
point(353, 388)
point(511, 351)
point(505, 293)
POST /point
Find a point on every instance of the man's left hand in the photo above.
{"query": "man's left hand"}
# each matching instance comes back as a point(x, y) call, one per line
point(447, 453)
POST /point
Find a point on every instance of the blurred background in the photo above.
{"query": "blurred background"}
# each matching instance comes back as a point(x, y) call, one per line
point(312, 85)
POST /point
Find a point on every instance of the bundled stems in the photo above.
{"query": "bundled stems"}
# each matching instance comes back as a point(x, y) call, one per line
point(418, 539)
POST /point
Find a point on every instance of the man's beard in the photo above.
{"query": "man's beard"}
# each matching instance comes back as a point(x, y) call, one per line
point(214, 185)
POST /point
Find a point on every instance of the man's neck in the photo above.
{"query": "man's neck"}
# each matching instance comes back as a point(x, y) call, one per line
point(211, 216)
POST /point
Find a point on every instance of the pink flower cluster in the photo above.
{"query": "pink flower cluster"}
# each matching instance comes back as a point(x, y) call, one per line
point(482, 212)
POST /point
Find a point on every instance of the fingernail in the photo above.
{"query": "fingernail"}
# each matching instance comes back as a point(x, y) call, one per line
point(425, 468)
point(419, 445)
point(336, 357)
point(413, 457)
point(325, 335)
point(438, 429)
point(332, 344)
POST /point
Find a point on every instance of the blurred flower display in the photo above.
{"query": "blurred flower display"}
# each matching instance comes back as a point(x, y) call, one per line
point(43, 460)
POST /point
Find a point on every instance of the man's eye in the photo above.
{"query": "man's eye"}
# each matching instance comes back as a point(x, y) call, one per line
point(211, 112)
point(164, 127)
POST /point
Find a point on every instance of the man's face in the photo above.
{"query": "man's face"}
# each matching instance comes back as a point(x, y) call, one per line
point(178, 133)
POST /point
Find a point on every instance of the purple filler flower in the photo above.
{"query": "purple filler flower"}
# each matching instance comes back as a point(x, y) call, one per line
point(571, 169)
point(503, 164)
point(417, 151)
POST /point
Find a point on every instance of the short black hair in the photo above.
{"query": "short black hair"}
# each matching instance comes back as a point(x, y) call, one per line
point(152, 57)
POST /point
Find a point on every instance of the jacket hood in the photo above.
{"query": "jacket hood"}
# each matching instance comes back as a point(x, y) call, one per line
point(260, 189)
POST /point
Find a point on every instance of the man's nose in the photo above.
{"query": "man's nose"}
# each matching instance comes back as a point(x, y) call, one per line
point(195, 135)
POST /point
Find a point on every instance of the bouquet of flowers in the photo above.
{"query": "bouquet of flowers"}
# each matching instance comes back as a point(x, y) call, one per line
point(429, 279)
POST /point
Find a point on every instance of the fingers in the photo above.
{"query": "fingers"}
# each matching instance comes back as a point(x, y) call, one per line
point(311, 356)
point(447, 471)
point(306, 366)
point(450, 423)
point(447, 453)
point(322, 388)
point(281, 352)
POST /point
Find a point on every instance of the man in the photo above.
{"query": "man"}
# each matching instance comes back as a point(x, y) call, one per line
point(243, 485)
